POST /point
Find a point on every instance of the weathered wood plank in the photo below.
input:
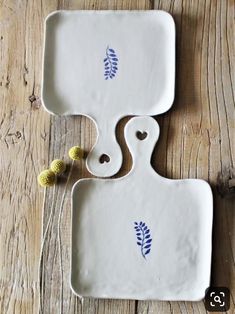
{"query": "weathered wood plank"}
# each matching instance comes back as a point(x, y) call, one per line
point(23, 143)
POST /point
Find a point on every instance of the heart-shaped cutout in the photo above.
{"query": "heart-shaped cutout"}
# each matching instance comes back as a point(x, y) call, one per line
point(141, 135)
point(104, 158)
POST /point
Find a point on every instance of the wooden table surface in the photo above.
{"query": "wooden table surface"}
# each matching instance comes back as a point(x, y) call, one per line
point(197, 141)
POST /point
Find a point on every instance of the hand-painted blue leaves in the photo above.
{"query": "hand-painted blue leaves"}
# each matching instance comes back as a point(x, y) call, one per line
point(110, 64)
point(143, 237)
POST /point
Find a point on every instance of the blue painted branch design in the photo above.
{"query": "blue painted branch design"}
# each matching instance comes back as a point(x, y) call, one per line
point(143, 238)
point(110, 64)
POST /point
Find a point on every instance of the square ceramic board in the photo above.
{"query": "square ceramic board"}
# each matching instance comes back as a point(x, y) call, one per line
point(141, 236)
point(107, 65)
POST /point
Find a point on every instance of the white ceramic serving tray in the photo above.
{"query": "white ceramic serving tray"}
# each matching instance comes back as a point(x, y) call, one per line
point(107, 65)
point(141, 236)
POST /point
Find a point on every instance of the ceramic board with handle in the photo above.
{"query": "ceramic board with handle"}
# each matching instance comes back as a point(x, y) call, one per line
point(141, 236)
point(107, 65)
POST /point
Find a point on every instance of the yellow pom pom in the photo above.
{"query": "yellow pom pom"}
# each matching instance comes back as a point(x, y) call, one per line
point(58, 166)
point(46, 178)
point(76, 153)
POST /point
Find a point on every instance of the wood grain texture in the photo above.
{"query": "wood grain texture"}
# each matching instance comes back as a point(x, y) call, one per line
point(196, 141)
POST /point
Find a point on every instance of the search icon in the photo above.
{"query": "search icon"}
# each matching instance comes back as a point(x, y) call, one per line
point(217, 299)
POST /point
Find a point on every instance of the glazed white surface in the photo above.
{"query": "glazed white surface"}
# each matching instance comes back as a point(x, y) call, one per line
point(106, 260)
point(73, 71)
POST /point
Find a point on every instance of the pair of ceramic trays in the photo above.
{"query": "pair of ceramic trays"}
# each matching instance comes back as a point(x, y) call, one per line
point(141, 236)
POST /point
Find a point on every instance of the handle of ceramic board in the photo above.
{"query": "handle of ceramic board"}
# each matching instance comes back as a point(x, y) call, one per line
point(141, 135)
point(105, 158)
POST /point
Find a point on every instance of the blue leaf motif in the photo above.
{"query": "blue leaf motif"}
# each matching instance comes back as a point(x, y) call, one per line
point(147, 246)
point(147, 252)
point(110, 67)
point(143, 237)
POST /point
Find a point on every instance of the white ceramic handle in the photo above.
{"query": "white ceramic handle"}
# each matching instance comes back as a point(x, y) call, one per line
point(105, 158)
point(107, 147)
point(141, 134)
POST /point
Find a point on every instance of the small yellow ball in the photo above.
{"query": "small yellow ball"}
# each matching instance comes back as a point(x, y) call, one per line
point(46, 178)
point(76, 153)
point(58, 166)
